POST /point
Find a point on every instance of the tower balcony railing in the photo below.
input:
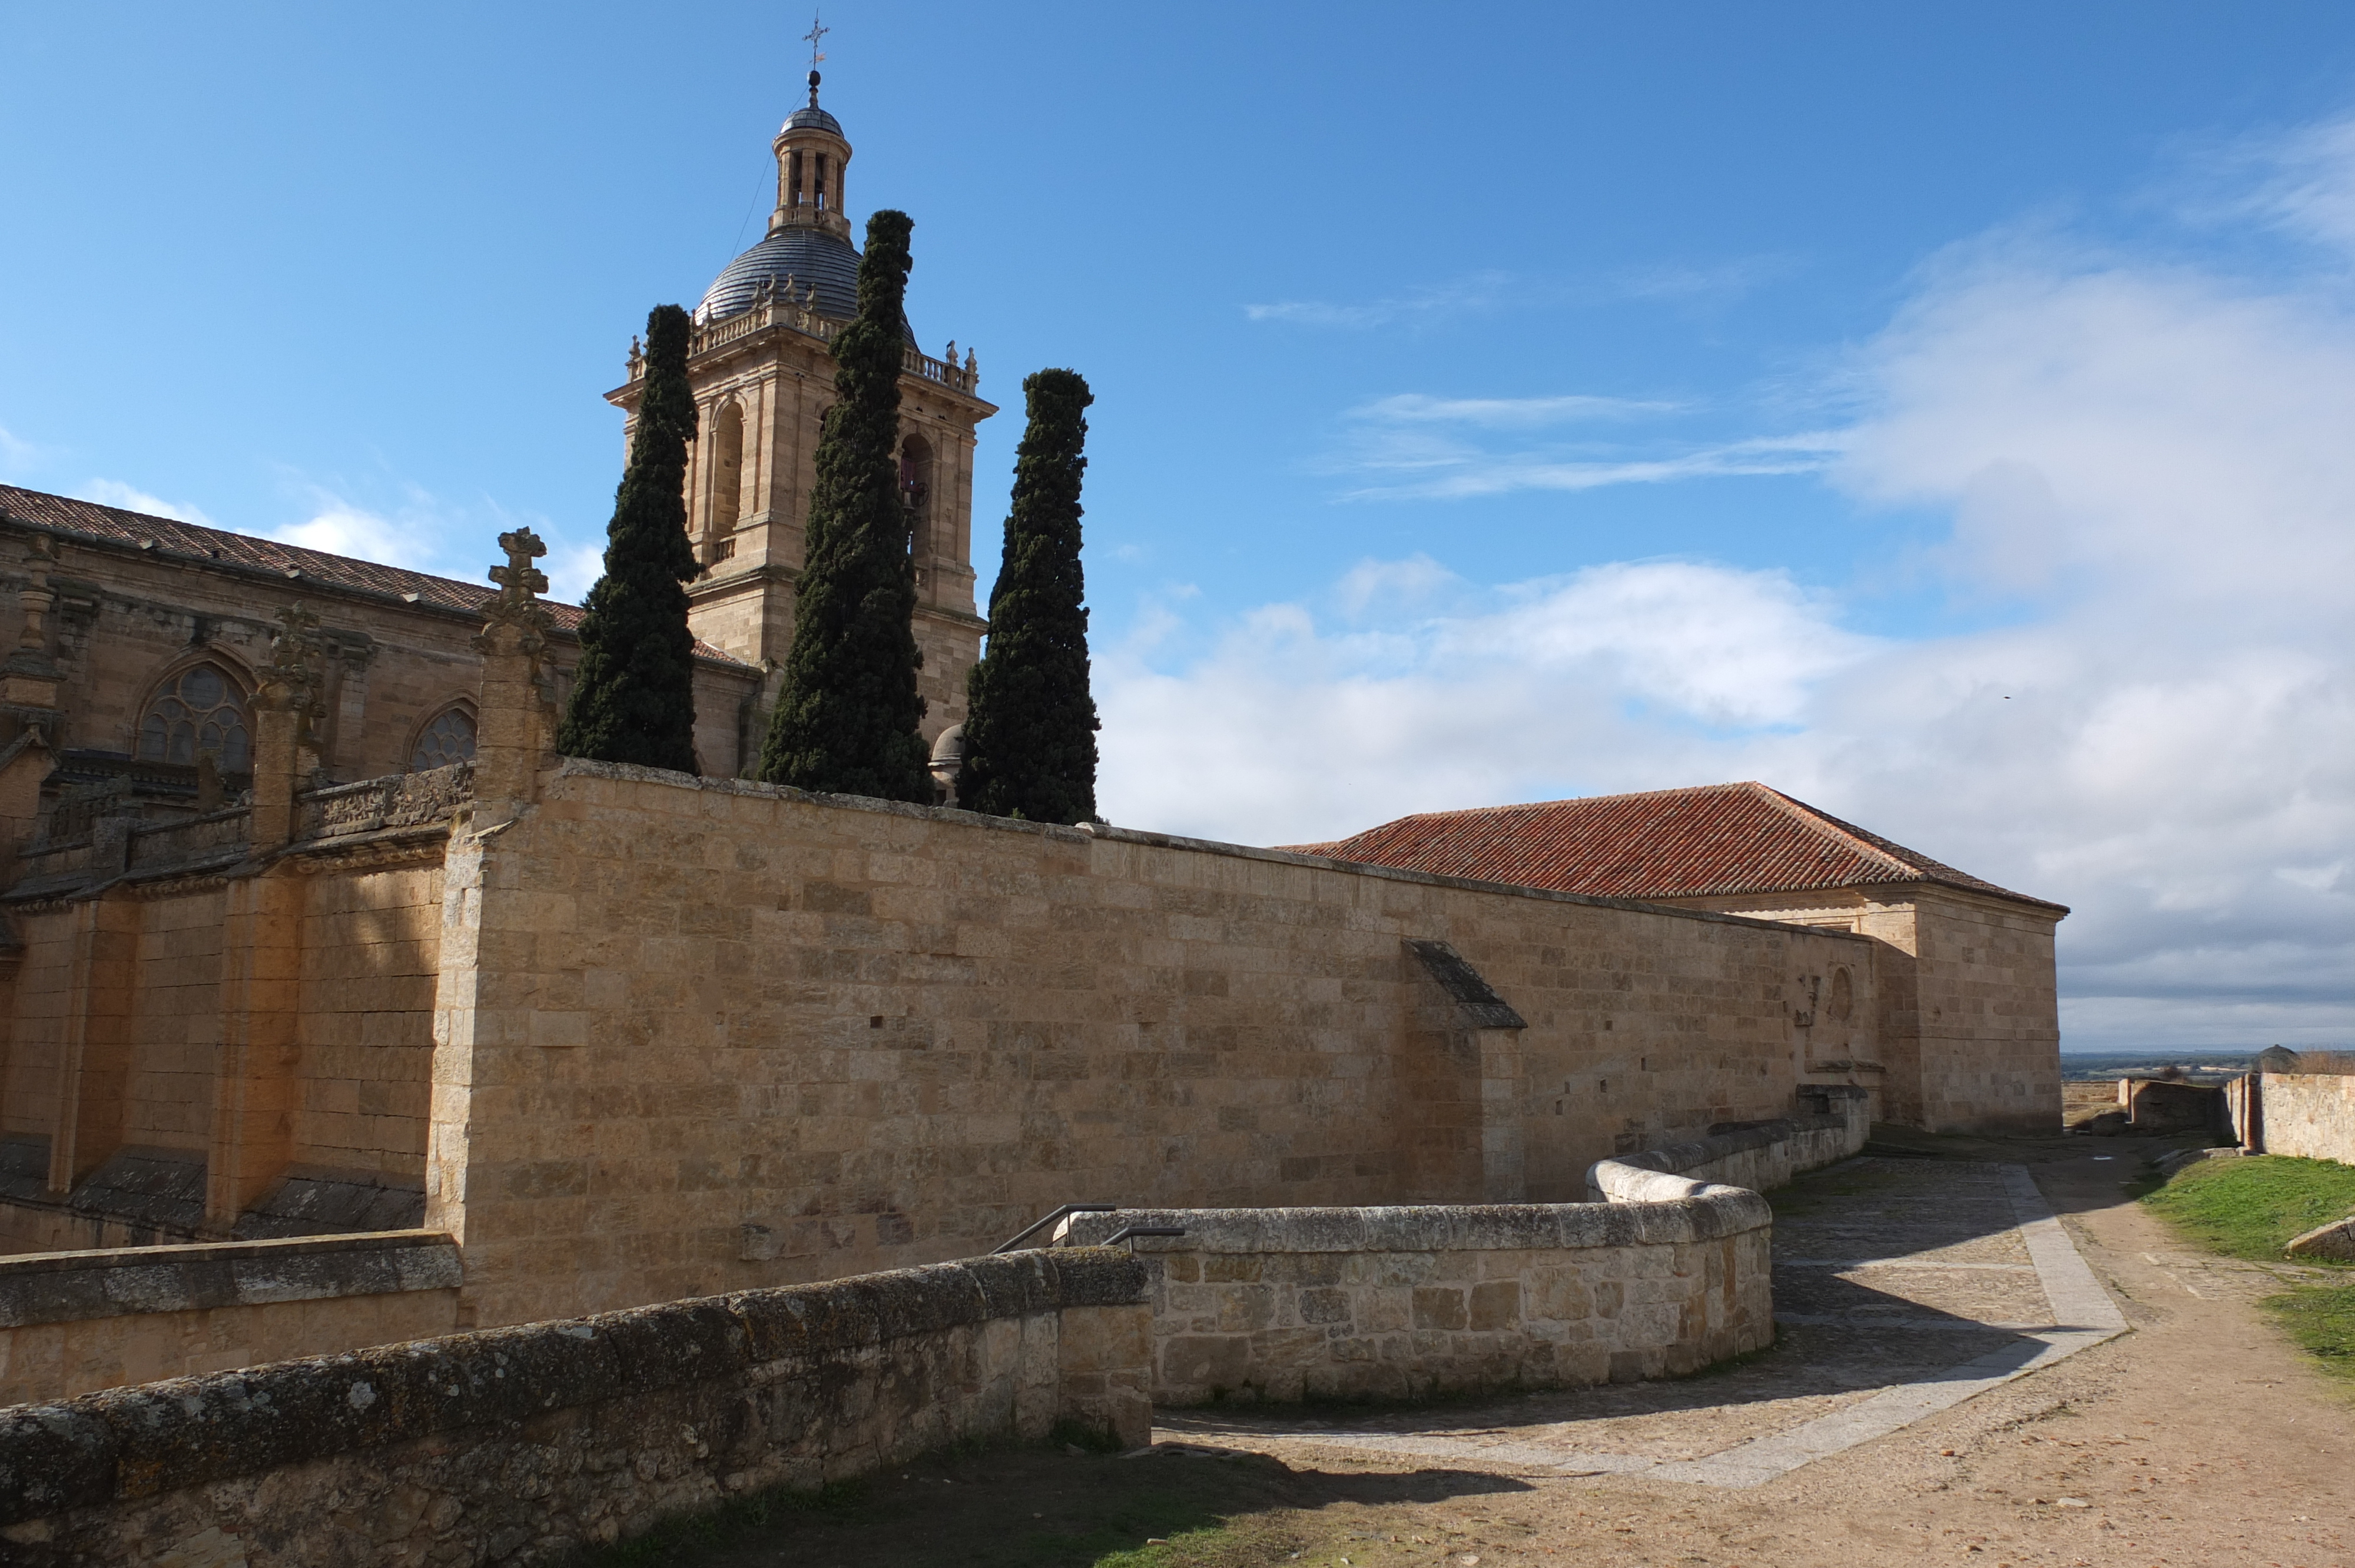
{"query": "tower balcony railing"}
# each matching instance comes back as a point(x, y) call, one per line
point(781, 310)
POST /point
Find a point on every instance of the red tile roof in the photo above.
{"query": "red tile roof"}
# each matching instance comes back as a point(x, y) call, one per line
point(169, 537)
point(1667, 844)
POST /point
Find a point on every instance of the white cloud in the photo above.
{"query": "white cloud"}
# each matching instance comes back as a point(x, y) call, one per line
point(16, 452)
point(2311, 190)
point(2151, 462)
point(114, 493)
point(572, 570)
point(1507, 413)
point(342, 529)
point(1479, 292)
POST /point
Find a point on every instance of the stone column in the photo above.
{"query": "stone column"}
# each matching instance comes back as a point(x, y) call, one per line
point(29, 680)
point(94, 1065)
point(285, 728)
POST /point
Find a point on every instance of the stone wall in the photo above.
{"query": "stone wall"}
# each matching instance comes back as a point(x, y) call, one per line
point(2307, 1114)
point(522, 1445)
point(1664, 1274)
point(1961, 1028)
point(697, 1035)
point(75, 1321)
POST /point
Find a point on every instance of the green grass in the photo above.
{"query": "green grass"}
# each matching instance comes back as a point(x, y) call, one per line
point(2251, 1208)
point(2321, 1319)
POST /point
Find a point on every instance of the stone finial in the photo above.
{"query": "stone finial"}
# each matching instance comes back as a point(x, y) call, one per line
point(517, 720)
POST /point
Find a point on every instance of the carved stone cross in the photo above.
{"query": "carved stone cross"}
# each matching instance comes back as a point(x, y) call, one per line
point(519, 582)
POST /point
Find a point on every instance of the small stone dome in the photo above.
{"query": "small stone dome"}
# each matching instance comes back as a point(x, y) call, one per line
point(810, 117)
point(948, 751)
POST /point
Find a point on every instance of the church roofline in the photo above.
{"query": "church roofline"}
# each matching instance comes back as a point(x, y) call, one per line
point(297, 569)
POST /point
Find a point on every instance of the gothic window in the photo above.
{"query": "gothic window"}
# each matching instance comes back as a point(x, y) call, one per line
point(199, 709)
point(448, 738)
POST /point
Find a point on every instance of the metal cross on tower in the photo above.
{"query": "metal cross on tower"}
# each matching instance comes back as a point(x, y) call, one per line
point(818, 30)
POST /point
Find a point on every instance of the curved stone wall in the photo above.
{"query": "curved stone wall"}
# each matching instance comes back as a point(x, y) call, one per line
point(1669, 1273)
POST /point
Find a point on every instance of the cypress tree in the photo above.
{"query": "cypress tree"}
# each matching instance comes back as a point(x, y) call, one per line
point(1030, 737)
point(848, 712)
point(633, 694)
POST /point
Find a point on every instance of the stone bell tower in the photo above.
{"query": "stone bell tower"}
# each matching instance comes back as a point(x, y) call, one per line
point(763, 369)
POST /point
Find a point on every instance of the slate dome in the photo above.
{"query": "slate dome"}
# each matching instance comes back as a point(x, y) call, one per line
point(812, 258)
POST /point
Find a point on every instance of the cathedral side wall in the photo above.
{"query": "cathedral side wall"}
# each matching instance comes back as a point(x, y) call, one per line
point(720, 1036)
point(123, 622)
point(176, 1028)
point(371, 949)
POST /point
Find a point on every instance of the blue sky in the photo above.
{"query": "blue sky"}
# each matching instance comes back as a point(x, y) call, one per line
point(1936, 415)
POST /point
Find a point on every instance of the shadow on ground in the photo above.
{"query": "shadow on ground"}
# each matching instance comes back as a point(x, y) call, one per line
point(1032, 1507)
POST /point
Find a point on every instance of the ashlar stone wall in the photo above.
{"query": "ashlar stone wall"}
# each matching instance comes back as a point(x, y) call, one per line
point(697, 1035)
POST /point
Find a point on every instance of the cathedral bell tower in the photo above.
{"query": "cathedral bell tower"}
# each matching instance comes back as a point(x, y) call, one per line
point(762, 371)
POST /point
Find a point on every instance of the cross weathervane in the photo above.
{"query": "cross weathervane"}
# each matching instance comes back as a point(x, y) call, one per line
point(818, 30)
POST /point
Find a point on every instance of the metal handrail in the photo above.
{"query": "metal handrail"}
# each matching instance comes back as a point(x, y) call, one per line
point(1013, 1242)
point(1125, 1232)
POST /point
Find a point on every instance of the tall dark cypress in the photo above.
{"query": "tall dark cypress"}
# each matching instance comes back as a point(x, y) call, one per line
point(1030, 737)
point(848, 712)
point(633, 694)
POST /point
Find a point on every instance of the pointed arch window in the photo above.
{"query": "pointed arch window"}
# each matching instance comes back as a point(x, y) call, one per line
point(448, 738)
point(198, 710)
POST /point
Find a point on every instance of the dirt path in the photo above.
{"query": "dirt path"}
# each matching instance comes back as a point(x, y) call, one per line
point(2199, 1437)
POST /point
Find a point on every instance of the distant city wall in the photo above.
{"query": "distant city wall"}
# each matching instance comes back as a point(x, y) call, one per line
point(524, 1444)
point(1665, 1275)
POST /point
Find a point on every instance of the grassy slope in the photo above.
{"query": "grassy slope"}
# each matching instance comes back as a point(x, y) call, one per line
point(2250, 1208)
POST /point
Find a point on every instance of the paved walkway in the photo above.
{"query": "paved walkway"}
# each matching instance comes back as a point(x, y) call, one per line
point(1902, 1288)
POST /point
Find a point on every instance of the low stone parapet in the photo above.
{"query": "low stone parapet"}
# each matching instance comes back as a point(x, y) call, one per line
point(522, 1445)
point(75, 1321)
point(1668, 1271)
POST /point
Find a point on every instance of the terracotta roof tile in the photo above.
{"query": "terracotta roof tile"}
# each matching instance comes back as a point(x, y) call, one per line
point(113, 526)
point(1667, 844)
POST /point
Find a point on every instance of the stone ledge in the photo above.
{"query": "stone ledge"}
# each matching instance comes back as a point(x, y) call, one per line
point(1693, 1212)
point(583, 768)
point(160, 1437)
point(72, 1287)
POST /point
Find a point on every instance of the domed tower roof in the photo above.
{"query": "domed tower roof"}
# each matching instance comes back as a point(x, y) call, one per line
point(813, 260)
point(808, 244)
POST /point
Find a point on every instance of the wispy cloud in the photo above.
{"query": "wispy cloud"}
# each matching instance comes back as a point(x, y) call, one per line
point(1482, 291)
point(16, 452)
point(115, 493)
point(1719, 282)
point(1508, 413)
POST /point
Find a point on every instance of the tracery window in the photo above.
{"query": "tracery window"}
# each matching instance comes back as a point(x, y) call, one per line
point(198, 710)
point(448, 738)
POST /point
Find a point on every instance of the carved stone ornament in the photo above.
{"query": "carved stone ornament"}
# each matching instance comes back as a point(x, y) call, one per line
point(518, 604)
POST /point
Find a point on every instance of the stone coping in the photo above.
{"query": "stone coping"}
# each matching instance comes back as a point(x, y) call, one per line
point(72, 1287)
point(1674, 1158)
point(1687, 1211)
point(1088, 832)
point(144, 1441)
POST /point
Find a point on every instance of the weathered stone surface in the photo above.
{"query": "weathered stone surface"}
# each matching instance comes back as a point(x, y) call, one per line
point(2335, 1241)
point(523, 1443)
